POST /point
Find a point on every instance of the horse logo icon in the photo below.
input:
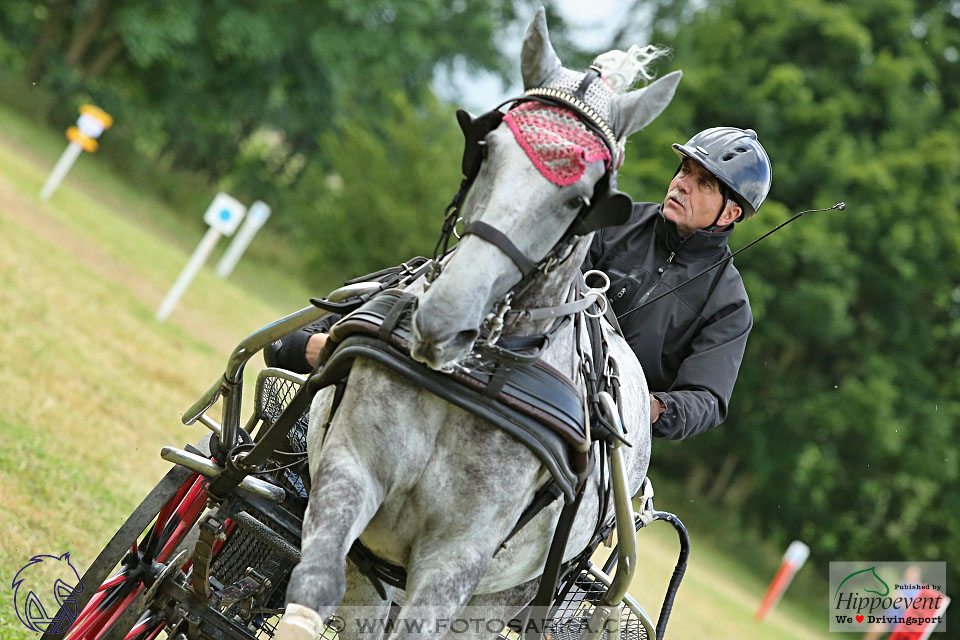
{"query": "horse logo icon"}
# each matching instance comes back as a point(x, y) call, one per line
point(33, 586)
point(877, 582)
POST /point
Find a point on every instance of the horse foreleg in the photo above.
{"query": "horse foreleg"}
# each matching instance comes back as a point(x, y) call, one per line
point(343, 499)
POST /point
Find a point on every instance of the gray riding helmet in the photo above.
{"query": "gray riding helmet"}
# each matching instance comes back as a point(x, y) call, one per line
point(737, 159)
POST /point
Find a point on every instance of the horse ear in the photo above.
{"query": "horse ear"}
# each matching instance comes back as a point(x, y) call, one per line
point(635, 110)
point(538, 60)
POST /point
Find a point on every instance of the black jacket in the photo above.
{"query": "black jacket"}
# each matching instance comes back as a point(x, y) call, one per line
point(690, 343)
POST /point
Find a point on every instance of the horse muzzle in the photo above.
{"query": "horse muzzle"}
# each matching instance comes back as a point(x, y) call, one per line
point(438, 346)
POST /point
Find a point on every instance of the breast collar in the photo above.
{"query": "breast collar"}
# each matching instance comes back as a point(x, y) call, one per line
point(699, 245)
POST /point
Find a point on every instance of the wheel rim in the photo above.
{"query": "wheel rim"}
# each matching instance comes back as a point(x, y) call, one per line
point(143, 564)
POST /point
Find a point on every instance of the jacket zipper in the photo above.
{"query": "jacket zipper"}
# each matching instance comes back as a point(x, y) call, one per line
point(662, 272)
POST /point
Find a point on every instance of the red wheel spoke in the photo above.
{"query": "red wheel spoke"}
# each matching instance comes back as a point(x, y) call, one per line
point(173, 503)
point(155, 632)
point(187, 511)
point(187, 517)
point(147, 621)
point(89, 617)
point(112, 582)
point(117, 610)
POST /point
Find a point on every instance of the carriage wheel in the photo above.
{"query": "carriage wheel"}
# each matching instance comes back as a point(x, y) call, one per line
point(172, 507)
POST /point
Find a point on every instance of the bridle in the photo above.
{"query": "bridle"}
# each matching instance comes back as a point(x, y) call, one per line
point(607, 206)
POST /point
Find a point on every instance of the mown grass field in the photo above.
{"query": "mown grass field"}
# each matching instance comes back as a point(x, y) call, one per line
point(91, 386)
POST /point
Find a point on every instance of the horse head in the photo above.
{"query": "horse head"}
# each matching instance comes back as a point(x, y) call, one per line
point(546, 177)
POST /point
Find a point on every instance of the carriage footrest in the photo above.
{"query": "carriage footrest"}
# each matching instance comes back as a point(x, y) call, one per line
point(242, 588)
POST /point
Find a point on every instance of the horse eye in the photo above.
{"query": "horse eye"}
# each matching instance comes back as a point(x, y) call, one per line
point(576, 203)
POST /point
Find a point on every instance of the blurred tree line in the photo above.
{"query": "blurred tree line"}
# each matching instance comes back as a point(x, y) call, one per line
point(843, 430)
point(322, 109)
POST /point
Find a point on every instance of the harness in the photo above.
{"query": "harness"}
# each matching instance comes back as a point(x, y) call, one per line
point(534, 403)
point(608, 206)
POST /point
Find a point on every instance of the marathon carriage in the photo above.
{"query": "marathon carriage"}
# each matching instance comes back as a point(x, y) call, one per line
point(195, 562)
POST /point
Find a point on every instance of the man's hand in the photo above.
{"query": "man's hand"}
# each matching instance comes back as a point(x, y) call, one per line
point(657, 407)
point(314, 345)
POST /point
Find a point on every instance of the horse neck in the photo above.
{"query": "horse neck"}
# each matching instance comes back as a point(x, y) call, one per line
point(548, 290)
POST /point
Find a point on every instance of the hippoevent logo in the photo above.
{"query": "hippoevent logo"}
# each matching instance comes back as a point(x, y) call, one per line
point(908, 597)
point(45, 593)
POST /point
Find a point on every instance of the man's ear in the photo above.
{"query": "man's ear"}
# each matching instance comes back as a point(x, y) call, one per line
point(730, 214)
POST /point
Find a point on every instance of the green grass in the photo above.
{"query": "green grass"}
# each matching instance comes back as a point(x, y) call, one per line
point(93, 386)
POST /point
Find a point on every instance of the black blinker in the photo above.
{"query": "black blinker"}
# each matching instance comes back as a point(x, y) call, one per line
point(474, 132)
point(609, 208)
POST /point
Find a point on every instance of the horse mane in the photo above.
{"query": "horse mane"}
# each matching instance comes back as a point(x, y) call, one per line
point(621, 69)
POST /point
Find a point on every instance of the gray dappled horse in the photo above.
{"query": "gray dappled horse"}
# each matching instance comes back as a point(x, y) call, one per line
point(424, 484)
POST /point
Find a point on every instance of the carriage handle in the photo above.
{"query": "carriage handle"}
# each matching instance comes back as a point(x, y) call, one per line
point(230, 386)
point(623, 507)
point(606, 614)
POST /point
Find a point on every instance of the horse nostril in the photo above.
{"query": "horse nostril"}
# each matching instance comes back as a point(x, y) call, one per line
point(464, 338)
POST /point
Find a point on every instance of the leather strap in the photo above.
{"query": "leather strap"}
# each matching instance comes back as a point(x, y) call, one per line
point(542, 603)
point(592, 74)
point(558, 311)
point(502, 242)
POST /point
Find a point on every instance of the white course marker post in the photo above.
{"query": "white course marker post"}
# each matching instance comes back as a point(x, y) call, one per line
point(223, 215)
point(91, 124)
point(256, 216)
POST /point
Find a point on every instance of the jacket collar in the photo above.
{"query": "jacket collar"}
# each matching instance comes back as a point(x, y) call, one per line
point(698, 245)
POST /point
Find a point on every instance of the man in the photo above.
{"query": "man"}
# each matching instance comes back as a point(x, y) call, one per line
point(690, 342)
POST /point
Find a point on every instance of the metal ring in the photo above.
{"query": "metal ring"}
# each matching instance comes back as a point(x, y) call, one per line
point(603, 307)
point(459, 220)
point(603, 276)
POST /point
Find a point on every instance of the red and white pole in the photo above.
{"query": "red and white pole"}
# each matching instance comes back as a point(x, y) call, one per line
point(796, 554)
point(920, 621)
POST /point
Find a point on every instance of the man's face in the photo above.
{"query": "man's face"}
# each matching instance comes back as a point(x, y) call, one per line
point(693, 200)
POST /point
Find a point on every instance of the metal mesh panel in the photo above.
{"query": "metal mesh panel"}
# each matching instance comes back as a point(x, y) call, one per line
point(573, 614)
point(243, 549)
point(275, 394)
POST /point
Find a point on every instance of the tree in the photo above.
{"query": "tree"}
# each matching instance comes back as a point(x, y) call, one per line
point(844, 422)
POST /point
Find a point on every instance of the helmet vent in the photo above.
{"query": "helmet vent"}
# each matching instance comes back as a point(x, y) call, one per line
point(727, 156)
point(740, 150)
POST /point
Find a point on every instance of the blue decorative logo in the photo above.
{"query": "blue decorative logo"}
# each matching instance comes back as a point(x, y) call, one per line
point(225, 214)
point(33, 587)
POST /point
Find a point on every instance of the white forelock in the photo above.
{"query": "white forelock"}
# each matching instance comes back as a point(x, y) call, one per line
point(621, 69)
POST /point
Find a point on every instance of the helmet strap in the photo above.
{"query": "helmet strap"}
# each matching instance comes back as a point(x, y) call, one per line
point(725, 193)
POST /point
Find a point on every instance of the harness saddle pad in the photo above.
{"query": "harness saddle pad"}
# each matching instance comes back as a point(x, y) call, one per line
point(535, 403)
